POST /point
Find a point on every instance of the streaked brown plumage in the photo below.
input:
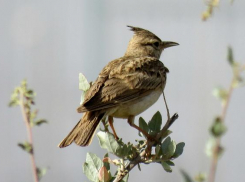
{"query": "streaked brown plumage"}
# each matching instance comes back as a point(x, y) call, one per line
point(125, 87)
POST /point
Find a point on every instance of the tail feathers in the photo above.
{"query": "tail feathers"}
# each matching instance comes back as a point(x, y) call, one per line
point(82, 134)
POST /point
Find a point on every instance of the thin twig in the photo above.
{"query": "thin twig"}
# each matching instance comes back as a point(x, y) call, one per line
point(217, 147)
point(29, 133)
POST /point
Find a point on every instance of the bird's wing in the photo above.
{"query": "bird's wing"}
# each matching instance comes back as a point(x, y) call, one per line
point(124, 81)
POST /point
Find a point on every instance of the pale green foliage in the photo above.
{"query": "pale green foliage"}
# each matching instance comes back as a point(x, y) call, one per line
point(92, 167)
point(201, 177)
point(83, 85)
point(41, 172)
point(24, 97)
point(218, 128)
point(165, 152)
point(26, 146)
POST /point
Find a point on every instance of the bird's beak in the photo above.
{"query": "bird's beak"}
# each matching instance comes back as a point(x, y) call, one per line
point(166, 44)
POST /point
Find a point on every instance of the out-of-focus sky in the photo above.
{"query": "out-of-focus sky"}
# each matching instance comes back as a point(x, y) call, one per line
point(50, 42)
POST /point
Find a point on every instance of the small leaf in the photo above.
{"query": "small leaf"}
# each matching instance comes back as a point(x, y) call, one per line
point(230, 57)
point(143, 125)
point(103, 175)
point(186, 176)
point(26, 146)
point(158, 150)
point(108, 142)
point(218, 128)
point(30, 94)
point(170, 163)
point(40, 122)
point(41, 172)
point(220, 93)
point(211, 147)
point(201, 177)
point(166, 167)
point(165, 134)
point(168, 148)
point(83, 83)
point(179, 149)
point(155, 123)
point(13, 103)
point(92, 166)
point(139, 167)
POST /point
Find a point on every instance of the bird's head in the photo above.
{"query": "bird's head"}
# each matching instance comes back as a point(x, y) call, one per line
point(145, 43)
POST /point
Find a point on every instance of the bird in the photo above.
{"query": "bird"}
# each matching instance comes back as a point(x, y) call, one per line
point(125, 87)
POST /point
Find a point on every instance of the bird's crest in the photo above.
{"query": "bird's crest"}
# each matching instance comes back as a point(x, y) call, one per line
point(141, 31)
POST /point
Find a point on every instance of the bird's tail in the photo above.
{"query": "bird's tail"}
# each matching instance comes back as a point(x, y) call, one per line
point(82, 134)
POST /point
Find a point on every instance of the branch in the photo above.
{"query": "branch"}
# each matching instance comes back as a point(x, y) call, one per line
point(237, 70)
point(142, 157)
point(217, 146)
point(26, 118)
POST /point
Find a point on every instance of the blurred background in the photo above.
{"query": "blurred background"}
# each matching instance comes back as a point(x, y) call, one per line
point(50, 42)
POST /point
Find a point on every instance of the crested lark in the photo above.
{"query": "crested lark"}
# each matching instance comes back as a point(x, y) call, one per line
point(125, 87)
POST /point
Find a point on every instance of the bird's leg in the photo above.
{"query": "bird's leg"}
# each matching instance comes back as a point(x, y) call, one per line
point(131, 123)
point(166, 105)
point(110, 119)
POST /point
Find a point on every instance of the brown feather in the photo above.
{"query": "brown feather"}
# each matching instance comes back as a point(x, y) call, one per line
point(125, 80)
point(82, 134)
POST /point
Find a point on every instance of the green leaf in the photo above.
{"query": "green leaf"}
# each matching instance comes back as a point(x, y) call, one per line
point(40, 122)
point(201, 177)
point(166, 167)
point(211, 146)
point(165, 134)
point(30, 94)
point(139, 167)
point(155, 123)
point(186, 176)
point(179, 149)
point(168, 148)
point(108, 142)
point(221, 94)
point(158, 150)
point(83, 83)
point(170, 163)
point(143, 125)
point(26, 146)
point(14, 102)
point(118, 148)
point(92, 166)
point(41, 172)
point(218, 128)
point(230, 57)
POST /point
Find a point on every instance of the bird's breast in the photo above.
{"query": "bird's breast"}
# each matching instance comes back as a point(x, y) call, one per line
point(137, 106)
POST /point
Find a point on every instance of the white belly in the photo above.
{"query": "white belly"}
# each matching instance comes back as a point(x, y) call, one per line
point(136, 107)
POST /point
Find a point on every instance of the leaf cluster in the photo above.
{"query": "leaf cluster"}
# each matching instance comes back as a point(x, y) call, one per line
point(24, 97)
point(166, 150)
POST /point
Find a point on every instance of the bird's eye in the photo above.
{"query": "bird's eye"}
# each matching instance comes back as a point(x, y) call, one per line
point(156, 44)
